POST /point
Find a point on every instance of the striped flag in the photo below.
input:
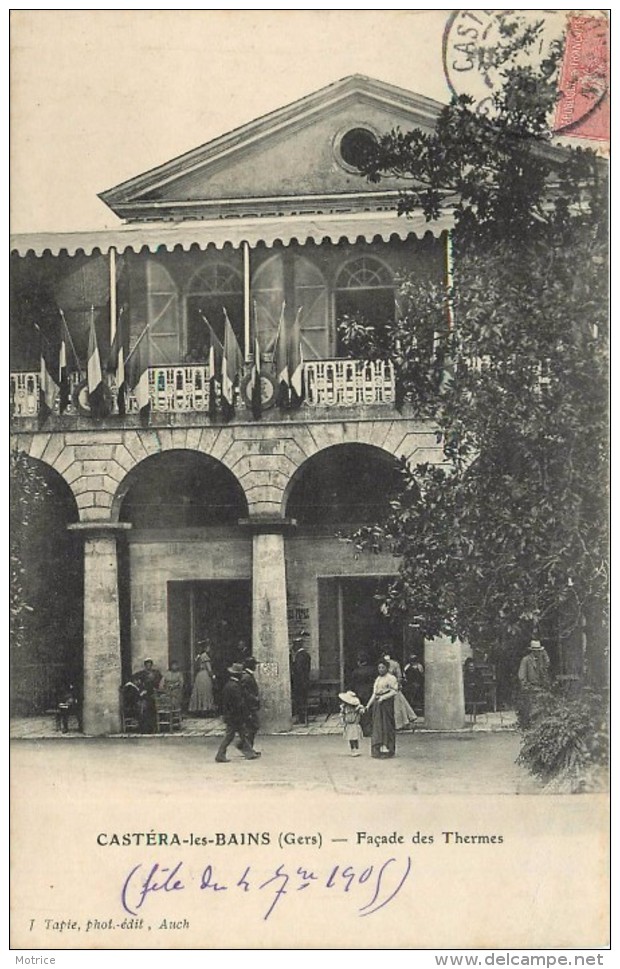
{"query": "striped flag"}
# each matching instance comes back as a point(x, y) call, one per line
point(95, 376)
point(63, 370)
point(281, 358)
point(117, 364)
point(216, 355)
point(296, 364)
point(48, 388)
point(138, 375)
point(256, 396)
point(232, 362)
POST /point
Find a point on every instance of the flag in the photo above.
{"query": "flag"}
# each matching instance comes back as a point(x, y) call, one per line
point(296, 364)
point(63, 370)
point(95, 377)
point(48, 388)
point(232, 362)
point(138, 375)
point(212, 382)
point(254, 386)
point(281, 359)
point(216, 355)
point(116, 364)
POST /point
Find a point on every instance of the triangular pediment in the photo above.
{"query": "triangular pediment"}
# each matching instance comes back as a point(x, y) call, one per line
point(289, 160)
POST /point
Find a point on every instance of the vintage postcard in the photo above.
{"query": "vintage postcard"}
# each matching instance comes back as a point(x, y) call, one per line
point(309, 635)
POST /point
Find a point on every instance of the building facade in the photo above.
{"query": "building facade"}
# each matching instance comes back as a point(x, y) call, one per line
point(231, 526)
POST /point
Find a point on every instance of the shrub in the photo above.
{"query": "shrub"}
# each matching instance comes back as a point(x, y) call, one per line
point(566, 744)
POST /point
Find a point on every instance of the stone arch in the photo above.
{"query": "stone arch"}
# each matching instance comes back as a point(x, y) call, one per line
point(182, 474)
point(416, 443)
point(347, 482)
point(95, 462)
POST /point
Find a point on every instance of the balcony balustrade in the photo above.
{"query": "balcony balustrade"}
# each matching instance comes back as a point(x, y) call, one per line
point(349, 382)
point(185, 388)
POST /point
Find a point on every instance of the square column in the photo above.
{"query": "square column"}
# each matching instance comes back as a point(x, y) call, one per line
point(102, 651)
point(270, 626)
point(444, 700)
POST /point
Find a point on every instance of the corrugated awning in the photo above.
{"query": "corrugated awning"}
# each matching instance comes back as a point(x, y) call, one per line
point(218, 233)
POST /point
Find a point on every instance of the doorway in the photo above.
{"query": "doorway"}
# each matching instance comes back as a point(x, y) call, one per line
point(214, 614)
point(351, 622)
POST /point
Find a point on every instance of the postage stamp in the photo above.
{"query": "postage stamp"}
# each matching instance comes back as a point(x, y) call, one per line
point(476, 49)
point(583, 108)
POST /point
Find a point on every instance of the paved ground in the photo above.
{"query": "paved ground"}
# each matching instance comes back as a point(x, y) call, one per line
point(44, 726)
point(426, 763)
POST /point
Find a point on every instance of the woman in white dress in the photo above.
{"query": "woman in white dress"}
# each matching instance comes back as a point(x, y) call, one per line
point(404, 714)
point(201, 700)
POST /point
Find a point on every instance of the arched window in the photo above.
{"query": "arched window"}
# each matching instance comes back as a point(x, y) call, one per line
point(295, 280)
point(213, 288)
point(365, 290)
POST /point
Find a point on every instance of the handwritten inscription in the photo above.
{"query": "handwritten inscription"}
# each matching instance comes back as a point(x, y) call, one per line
point(371, 888)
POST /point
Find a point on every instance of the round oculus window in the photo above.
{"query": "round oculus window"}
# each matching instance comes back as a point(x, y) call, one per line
point(355, 147)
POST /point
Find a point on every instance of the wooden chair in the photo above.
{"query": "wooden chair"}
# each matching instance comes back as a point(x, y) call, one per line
point(169, 718)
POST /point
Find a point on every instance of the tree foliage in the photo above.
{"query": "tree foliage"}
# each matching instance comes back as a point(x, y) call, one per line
point(508, 536)
point(566, 744)
point(27, 489)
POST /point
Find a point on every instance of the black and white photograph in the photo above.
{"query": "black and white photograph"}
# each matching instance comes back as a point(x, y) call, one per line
point(309, 480)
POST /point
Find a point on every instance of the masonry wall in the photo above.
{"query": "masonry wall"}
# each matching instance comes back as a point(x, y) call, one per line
point(95, 459)
point(156, 558)
point(312, 556)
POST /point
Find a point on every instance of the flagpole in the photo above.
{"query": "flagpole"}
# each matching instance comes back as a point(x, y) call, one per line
point(112, 265)
point(246, 299)
point(136, 344)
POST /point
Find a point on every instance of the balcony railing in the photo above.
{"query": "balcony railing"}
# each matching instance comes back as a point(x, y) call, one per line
point(349, 382)
point(177, 389)
point(185, 389)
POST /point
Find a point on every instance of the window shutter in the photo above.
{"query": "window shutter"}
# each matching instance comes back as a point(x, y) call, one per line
point(311, 293)
point(163, 315)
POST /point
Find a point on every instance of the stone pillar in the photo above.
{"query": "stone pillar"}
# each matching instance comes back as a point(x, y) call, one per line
point(444, 701)
point(102, 652)
point(270, 625)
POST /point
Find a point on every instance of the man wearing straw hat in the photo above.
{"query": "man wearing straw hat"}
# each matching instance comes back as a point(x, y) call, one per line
point(533, 678)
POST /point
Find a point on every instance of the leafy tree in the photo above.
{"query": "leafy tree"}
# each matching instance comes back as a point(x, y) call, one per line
point(45, 586)
point(508, 536)
point(27, 488)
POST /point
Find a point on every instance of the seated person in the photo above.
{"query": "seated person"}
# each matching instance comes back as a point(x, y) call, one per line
point(147, 680)
point(172, 685)
point(68, 704)
point(472, 685)
point(130, 694)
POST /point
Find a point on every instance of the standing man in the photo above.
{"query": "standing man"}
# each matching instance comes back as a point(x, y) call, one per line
point(413, 675)
point(234, 715)
point(251, 699)
point(534, 677)
point(300, 679)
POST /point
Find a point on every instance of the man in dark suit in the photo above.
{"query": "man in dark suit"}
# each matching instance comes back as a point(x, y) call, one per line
point(251, 699)
point(234, 715)
point(300, 679)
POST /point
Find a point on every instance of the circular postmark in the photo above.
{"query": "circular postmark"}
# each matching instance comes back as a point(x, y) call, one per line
point(479, 45)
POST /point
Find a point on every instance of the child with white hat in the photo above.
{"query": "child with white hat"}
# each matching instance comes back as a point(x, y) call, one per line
point(351, 711)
